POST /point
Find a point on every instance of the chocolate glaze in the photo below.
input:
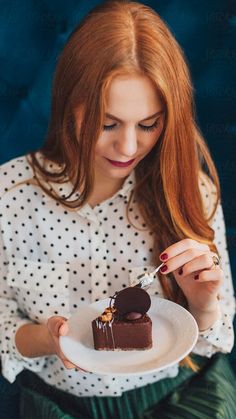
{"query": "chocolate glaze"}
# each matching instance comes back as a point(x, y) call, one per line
point(123, 335)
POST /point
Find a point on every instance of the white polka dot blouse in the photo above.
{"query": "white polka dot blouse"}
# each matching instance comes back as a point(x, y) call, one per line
point(53, 260)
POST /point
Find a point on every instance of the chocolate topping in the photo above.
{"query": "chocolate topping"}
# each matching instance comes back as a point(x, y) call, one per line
point(133, 316)
point(132, 299)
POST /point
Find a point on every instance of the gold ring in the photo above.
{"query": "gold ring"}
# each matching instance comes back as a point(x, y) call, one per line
point(216, 261)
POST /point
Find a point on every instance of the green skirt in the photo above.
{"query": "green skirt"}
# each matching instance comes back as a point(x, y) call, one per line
point(208, 394)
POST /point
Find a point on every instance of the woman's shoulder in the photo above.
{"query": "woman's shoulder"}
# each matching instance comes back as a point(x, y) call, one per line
point(208, 193)
point(14, 173)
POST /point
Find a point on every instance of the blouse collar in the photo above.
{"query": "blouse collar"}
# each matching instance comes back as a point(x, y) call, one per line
point(65, 188)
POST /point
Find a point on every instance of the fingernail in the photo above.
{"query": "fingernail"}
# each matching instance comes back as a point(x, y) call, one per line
point(164, 256)
point(196, 277)
point(69, 365)
point(62, 329)
point(164, 268)
point(180, 271)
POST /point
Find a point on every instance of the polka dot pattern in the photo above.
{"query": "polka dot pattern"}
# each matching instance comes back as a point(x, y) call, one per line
point(54, 260)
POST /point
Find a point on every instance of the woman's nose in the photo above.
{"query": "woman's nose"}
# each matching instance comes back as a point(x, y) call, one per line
point(127, 143)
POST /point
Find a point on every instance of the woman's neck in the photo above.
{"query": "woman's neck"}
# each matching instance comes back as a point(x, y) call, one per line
point(104, 189)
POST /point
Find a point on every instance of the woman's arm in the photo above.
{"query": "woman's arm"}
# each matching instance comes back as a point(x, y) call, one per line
point(11, 319)
point(206, 318)
point(34, 340)
point(219, 336)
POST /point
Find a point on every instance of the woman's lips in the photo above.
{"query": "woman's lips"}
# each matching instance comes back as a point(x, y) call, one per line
point(120, 163)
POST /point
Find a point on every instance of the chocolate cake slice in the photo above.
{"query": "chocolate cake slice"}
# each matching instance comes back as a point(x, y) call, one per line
point(125, 324)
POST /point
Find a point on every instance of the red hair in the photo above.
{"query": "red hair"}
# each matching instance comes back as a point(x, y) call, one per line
point(123, 37)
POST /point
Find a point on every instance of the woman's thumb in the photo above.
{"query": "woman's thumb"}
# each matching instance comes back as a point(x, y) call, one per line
point(63, 329)
point(55, 323)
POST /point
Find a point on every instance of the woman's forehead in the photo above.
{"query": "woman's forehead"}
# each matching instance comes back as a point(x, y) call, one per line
point(133, 97)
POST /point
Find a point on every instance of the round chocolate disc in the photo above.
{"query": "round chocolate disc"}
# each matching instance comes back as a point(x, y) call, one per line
point(132, 299)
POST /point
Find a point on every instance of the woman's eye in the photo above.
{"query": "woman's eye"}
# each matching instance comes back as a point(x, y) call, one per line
point(143, 127)
point(109, 127)
point(150, 127)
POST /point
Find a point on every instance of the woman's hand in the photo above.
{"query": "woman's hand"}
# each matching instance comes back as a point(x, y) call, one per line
point(192, 264)
point(58, 326)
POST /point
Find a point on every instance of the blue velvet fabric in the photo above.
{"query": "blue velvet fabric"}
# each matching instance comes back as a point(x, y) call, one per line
point(32, 34)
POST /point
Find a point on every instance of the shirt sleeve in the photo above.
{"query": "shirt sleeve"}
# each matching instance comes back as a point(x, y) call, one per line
point(11, 318)
point(220, 337)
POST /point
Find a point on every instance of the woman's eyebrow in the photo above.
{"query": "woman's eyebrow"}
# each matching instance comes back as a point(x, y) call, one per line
point(108, 115)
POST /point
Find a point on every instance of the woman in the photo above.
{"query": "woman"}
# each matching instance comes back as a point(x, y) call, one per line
point(123, 181)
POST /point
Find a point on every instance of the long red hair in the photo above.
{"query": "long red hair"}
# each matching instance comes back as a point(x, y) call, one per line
point(123, 37)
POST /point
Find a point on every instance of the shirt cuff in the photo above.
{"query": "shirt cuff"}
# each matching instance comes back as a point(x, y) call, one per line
point(13, 362)
point(217, 338)
point(213, 330)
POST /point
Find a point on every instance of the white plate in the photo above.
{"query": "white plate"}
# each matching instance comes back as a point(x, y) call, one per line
point(174, 332)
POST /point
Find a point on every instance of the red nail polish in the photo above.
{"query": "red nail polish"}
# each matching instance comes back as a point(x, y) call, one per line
point(196, 277)
point(164, 268)
point(164, 256)
point(180, 271)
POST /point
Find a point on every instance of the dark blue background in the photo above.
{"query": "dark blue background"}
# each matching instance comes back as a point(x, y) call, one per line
point(32, 34)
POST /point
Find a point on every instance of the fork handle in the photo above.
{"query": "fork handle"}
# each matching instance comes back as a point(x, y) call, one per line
point(157, 269)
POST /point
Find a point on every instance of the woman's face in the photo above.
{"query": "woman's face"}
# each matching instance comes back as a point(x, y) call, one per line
point(134, 121)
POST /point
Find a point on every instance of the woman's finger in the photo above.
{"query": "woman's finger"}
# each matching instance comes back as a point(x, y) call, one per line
point(210, 275)
point(180, 247)
point(177, 262)
point(199, 263)
point(63, 329)
point(68, 364)
point(58, 325)
point(81, 369)
point(54, 323)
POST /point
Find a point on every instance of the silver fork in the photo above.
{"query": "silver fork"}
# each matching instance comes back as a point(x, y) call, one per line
point(146, 279)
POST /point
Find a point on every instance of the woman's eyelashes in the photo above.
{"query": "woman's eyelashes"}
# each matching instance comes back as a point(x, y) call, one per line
point(146, 128)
